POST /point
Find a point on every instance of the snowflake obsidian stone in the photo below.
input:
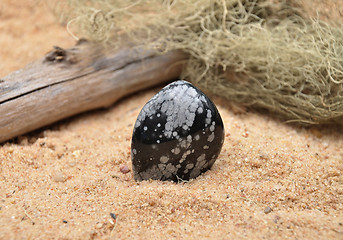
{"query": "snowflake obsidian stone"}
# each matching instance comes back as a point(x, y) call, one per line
point(178, 135)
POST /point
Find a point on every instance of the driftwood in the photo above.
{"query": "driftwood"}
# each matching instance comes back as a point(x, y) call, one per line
point(85, 77)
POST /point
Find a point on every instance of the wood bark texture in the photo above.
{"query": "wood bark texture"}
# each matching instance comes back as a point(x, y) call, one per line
point(79, 79)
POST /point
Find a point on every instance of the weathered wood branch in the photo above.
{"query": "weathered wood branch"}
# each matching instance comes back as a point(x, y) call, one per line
point(85, 77)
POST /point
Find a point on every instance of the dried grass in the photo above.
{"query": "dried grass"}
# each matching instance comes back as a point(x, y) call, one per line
point(264, 54)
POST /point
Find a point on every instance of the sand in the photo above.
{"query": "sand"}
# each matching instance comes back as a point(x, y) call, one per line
point(271, 181)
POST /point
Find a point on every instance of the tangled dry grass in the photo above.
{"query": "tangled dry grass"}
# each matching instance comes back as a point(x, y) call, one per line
point(264, 54)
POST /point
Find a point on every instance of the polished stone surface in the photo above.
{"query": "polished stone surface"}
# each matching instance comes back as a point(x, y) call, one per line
point(177, 136)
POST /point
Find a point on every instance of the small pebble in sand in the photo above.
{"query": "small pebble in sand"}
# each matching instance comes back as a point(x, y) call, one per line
point(99, 225)
point(178, 135)
point(124, 169)
point(113, 216)
point(268, 210)
point(58, 177)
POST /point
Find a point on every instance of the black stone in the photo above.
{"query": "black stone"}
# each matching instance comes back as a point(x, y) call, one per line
point(113, 216)
point(178, 135)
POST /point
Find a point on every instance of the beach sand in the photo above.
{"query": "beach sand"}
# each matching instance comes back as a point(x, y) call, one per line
point(272, 180)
